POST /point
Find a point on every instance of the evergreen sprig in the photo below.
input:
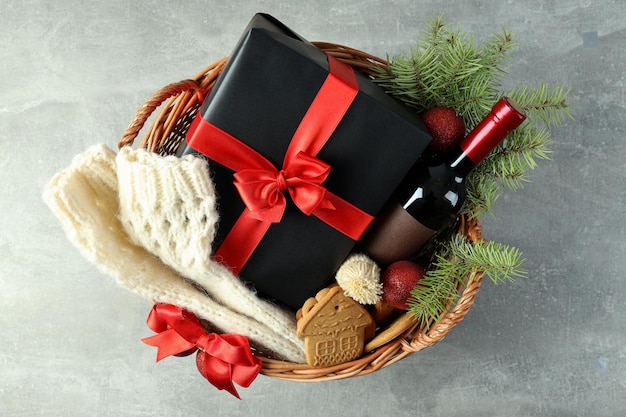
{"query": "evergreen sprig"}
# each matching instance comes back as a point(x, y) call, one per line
point(544, 104)
point(507, 167)
point(459, 262)
point(448, 68)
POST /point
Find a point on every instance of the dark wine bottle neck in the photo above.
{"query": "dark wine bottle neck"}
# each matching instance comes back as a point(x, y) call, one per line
point(462, 164)
point(505, 116)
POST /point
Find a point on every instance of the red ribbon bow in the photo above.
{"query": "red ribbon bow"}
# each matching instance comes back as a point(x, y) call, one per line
point(222, 359)
point(262, 191)
point(262, 186)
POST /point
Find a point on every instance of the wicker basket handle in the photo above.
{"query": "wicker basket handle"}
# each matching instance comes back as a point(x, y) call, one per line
point(196, 88)
point(151, 105)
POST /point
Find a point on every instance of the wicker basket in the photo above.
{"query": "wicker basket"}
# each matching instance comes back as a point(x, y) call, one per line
point(180, 102)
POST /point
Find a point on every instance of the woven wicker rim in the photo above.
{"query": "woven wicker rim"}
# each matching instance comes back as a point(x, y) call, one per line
point(180, 102)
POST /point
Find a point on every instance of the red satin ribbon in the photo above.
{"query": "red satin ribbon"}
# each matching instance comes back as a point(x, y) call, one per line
point(262, 186)
point(262, 191)
point(226, 358)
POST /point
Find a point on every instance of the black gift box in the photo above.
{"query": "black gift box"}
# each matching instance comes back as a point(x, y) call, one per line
point(260, 99)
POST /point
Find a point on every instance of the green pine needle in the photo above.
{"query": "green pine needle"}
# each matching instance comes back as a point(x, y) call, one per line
point(548, 105)
point(497, 261)
point(459, 262)
point(482, 193)
point(448, 68)
point(436, 292)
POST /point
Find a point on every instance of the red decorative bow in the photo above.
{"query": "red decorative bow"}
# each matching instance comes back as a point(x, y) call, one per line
point(222, 359)
point(261, 185)
point(262, 191)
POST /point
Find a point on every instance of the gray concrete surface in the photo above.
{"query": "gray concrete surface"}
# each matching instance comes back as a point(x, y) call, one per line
point(72, 74)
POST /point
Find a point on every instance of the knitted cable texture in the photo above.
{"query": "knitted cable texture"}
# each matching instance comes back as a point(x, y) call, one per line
point(168, 206)
point(84, 197)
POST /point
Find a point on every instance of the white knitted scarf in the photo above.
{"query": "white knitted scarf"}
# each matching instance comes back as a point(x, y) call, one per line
point(149, 222)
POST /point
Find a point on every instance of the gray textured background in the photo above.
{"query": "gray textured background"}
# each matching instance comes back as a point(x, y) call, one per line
point(72, 74)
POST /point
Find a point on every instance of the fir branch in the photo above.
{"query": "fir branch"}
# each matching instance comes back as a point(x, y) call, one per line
point(507, 167)
point(447, 68)
point(432, 31)
point(549, 105)
point(435, 292)
point(497, 261)
point(458, 63)
point(495, 51)
point(402, 81)
point(482, 193)
point(458, 262)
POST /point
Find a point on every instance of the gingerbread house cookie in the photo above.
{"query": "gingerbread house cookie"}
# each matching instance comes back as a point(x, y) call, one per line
point(334, 327)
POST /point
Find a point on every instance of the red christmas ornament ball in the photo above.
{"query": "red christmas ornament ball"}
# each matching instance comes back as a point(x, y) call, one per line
point(445, 126)
point(201, 362)
point(399, 279)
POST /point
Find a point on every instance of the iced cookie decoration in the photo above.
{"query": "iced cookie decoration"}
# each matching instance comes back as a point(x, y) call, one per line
point(334, 327)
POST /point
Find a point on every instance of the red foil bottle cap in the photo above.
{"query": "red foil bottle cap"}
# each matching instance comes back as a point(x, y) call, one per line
point(505, 116)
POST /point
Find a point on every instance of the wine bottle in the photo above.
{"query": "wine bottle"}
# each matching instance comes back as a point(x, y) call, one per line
point(433, 193)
